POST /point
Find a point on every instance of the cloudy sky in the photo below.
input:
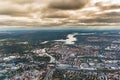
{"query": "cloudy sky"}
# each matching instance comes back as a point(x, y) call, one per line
point(33, 14)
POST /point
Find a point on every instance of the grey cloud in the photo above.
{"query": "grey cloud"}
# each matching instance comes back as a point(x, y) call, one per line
point(8, 8)
point(107, 7)
point(67, 4)
point(42, 13)
point(21, 1)
point(110, 7)
point(14, 12)
point(17, 23)
point(29, 24)
point(112, 17)
point(55, 14)
point(101, 20)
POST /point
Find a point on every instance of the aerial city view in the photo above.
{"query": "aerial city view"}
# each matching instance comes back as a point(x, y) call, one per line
point(60, 40)
point(60, 55)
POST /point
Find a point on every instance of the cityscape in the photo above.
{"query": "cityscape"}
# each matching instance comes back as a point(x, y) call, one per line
point(60, 55)
point(59, 39)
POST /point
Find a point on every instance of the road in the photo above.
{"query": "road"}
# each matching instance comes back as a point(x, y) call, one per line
point(52, 59)
point(49, 75)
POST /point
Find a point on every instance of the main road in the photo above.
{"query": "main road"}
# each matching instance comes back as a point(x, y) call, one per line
point(52, 59)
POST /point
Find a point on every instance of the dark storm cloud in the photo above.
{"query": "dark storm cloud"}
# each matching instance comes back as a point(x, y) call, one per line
point(68, 4)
